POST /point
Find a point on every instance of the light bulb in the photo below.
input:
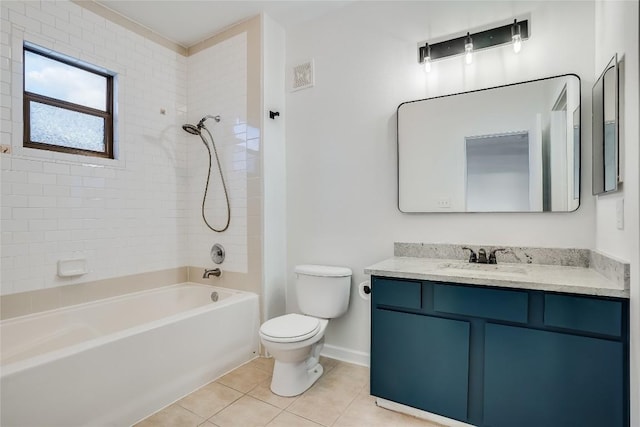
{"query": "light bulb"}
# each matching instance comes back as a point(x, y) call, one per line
point(517, 43)
point(468, 53)
point(516, 37)
point(426, 53)
point(468, 49)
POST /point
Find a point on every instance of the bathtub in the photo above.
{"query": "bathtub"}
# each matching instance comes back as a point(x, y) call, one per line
point(117, 360)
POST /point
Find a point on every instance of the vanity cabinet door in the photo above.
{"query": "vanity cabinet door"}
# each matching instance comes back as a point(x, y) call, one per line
point(539, 378)
point(420, 361)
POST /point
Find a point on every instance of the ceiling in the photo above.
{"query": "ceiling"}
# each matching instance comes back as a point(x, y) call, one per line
point(188, 22)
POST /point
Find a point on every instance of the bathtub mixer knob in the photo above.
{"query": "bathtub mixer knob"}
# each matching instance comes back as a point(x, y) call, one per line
point(211, 272)
point(217, 253)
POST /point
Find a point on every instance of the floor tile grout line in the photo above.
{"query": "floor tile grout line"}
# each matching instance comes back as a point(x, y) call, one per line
point(218, 411)
point(277, 415)
point(259, 368)
point(251, 397)
point(198, 415)
point(305, 418)
point(349, 405)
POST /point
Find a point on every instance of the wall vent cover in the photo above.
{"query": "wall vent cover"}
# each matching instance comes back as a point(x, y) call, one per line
point(303, 76)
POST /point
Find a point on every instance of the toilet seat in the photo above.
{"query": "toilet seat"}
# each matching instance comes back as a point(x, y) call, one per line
point(290, 328)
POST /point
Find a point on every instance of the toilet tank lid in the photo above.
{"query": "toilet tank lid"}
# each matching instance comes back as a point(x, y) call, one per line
point(323, 270)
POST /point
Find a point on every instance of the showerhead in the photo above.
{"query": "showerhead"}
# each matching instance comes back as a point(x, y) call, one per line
point(208, 116)
point(193, 130)
point(196, 130)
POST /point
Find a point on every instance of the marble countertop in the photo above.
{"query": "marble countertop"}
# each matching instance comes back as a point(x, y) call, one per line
point(555, 278)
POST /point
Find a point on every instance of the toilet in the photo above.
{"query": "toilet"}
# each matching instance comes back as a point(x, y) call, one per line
point(295, 340)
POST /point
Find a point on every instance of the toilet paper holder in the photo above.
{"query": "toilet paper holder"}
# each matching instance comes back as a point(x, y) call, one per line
point(364, 290)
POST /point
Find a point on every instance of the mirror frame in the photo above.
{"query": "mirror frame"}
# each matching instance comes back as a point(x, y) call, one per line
point(577, 186)
point(597, 130)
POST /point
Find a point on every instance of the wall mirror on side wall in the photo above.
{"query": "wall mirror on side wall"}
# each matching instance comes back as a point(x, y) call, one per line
point(605, 130)
point(513, 148)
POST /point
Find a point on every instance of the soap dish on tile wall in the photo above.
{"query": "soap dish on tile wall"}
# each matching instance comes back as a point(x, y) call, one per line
point(72, 267)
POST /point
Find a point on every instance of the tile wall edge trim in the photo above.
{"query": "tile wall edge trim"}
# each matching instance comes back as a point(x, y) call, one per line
point(23, 303)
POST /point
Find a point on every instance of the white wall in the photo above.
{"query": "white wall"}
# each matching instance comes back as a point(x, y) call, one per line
point(497, 170)
point(616, 29)
point(124, 216)
point(341, 144)
point(274, 169)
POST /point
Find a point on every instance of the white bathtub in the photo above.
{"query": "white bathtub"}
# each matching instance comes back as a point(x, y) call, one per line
point(117, 360)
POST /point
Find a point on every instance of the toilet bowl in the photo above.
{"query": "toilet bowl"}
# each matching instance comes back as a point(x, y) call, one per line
point(295, 340)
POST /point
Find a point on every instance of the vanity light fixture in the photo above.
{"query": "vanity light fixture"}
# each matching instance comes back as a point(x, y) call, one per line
point(513, 33)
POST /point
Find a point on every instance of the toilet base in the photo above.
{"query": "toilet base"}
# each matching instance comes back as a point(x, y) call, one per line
point(292, 379)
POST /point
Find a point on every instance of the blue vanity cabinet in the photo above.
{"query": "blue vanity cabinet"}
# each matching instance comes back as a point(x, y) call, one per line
point(500, 357)
point(421, 361)
point(538, 378)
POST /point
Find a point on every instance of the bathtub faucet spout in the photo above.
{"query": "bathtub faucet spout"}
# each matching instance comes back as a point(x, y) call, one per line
point(211, 272)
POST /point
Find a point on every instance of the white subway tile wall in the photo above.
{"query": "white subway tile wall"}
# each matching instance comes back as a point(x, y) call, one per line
point(218, 86)
point(139, 212)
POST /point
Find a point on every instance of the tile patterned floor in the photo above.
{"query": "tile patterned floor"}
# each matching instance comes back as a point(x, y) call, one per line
point(242, 398)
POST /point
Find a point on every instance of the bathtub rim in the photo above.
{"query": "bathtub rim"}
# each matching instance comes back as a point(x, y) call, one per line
point(30, 362)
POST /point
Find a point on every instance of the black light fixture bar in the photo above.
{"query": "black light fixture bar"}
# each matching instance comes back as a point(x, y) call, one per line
point(481, 40)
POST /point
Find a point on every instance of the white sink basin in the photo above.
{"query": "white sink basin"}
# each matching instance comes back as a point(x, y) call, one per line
point(493, 269)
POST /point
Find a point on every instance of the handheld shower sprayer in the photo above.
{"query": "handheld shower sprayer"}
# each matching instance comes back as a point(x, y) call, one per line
point(197, 130)
point(193, 130)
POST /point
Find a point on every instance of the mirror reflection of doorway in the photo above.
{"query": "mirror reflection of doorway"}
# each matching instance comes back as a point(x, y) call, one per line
point(497, 169)
point(610, 137)
point(556, 193)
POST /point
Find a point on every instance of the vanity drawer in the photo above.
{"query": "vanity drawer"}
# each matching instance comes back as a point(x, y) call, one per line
point(498, 304)
point(397, 293)
point(583, 314)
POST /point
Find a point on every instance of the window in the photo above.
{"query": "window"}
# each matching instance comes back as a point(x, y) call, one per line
point(68, 105)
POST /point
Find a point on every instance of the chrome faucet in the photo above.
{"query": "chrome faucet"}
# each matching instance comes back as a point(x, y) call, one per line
point(472, 256)
point(211, 272)
point(492, 255)
point(481, 257)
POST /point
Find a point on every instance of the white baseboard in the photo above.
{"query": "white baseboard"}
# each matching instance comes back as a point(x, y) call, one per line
point(418, 413)
point(345, 355)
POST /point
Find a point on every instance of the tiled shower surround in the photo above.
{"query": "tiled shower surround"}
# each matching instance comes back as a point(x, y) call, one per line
point(140, 212)
point(217, 85)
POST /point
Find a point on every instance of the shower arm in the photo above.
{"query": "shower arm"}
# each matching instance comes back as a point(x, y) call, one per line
point(208, 116)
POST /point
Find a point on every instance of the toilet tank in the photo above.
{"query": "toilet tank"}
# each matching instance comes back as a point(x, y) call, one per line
point(322, 290)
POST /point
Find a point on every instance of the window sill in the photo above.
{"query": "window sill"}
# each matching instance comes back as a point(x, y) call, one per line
point(20, 152)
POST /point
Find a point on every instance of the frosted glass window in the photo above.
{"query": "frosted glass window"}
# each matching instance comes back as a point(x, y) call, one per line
point(58, 126)
point(68, 104)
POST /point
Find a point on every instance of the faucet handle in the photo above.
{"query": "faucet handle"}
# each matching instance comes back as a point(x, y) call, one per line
point(472, 255)
point(482, 256)
point(492, 255)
